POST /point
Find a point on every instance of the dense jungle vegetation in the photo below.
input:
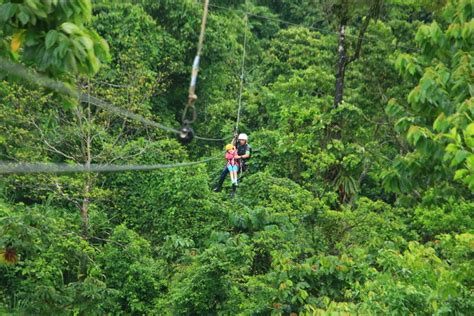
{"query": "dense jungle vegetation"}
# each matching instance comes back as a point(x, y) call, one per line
point(359, 195)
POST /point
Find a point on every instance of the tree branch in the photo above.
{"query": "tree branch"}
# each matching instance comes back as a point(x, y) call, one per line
point(49, 146)
point(360, 39)
point(374, 13)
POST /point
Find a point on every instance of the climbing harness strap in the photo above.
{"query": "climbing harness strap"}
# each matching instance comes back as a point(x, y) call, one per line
point(242, 72)
point(241, 88)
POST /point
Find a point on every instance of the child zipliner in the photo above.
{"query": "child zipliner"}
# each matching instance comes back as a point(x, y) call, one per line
point(232, 163)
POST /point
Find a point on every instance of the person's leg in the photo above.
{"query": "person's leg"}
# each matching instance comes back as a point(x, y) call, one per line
point(221, 180)
point(231, 171)
point(234, 188)
point(243, 171)
point(236, 174)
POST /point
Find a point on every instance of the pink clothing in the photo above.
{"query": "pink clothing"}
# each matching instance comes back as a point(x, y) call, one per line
point(230, 156)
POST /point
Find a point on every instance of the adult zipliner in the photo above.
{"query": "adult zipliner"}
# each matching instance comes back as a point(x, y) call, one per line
point(244, 152)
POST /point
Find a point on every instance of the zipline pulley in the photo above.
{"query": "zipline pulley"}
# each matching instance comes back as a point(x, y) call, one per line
point(186, 134)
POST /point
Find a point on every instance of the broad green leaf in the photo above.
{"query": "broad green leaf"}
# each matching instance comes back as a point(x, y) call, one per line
point(460, 174)
point(86, 42)
point(70, 28)
point(51, 38)
point(414, 134)
point(451, 148)
point(469, 131)
point(7, 11)
point(23, 17)
point(459, 157)
point(441, 124)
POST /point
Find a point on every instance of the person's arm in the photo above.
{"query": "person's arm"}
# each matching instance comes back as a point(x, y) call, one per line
point(245, 156)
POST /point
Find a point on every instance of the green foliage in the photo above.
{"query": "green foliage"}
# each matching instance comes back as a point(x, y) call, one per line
point(52, 36)
point(164, 203)
point(438, 120)
point(203, 286)
point(363, 209)
point(131, 271)
point(453, 216)
point(417, 279)
point(55, 267)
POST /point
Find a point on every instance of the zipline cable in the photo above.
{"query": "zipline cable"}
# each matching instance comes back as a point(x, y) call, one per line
point(37, 79)
point(31, 76)
point(212, 139)
point(124, 113)
point(113, 85)
point(242, 72)
point(45, 167)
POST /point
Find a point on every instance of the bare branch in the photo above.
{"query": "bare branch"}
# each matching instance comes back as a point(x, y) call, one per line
point(65, 196)
point(49, 146)
point(124, 157)
point(360, 39)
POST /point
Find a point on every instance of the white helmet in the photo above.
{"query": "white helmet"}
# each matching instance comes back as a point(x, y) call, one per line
point(243, 137)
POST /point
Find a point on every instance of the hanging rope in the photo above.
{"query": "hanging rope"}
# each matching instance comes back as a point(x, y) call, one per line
point(242, 72)
point(186, 134)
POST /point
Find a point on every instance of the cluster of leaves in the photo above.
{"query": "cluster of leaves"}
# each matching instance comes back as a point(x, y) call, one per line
point(438, 120)
point(52, 35)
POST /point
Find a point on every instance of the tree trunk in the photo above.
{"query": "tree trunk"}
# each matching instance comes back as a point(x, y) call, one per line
point(88, 160)
point(341, 66)
point(85, 227)
point(85, 206)
point(344, 60)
